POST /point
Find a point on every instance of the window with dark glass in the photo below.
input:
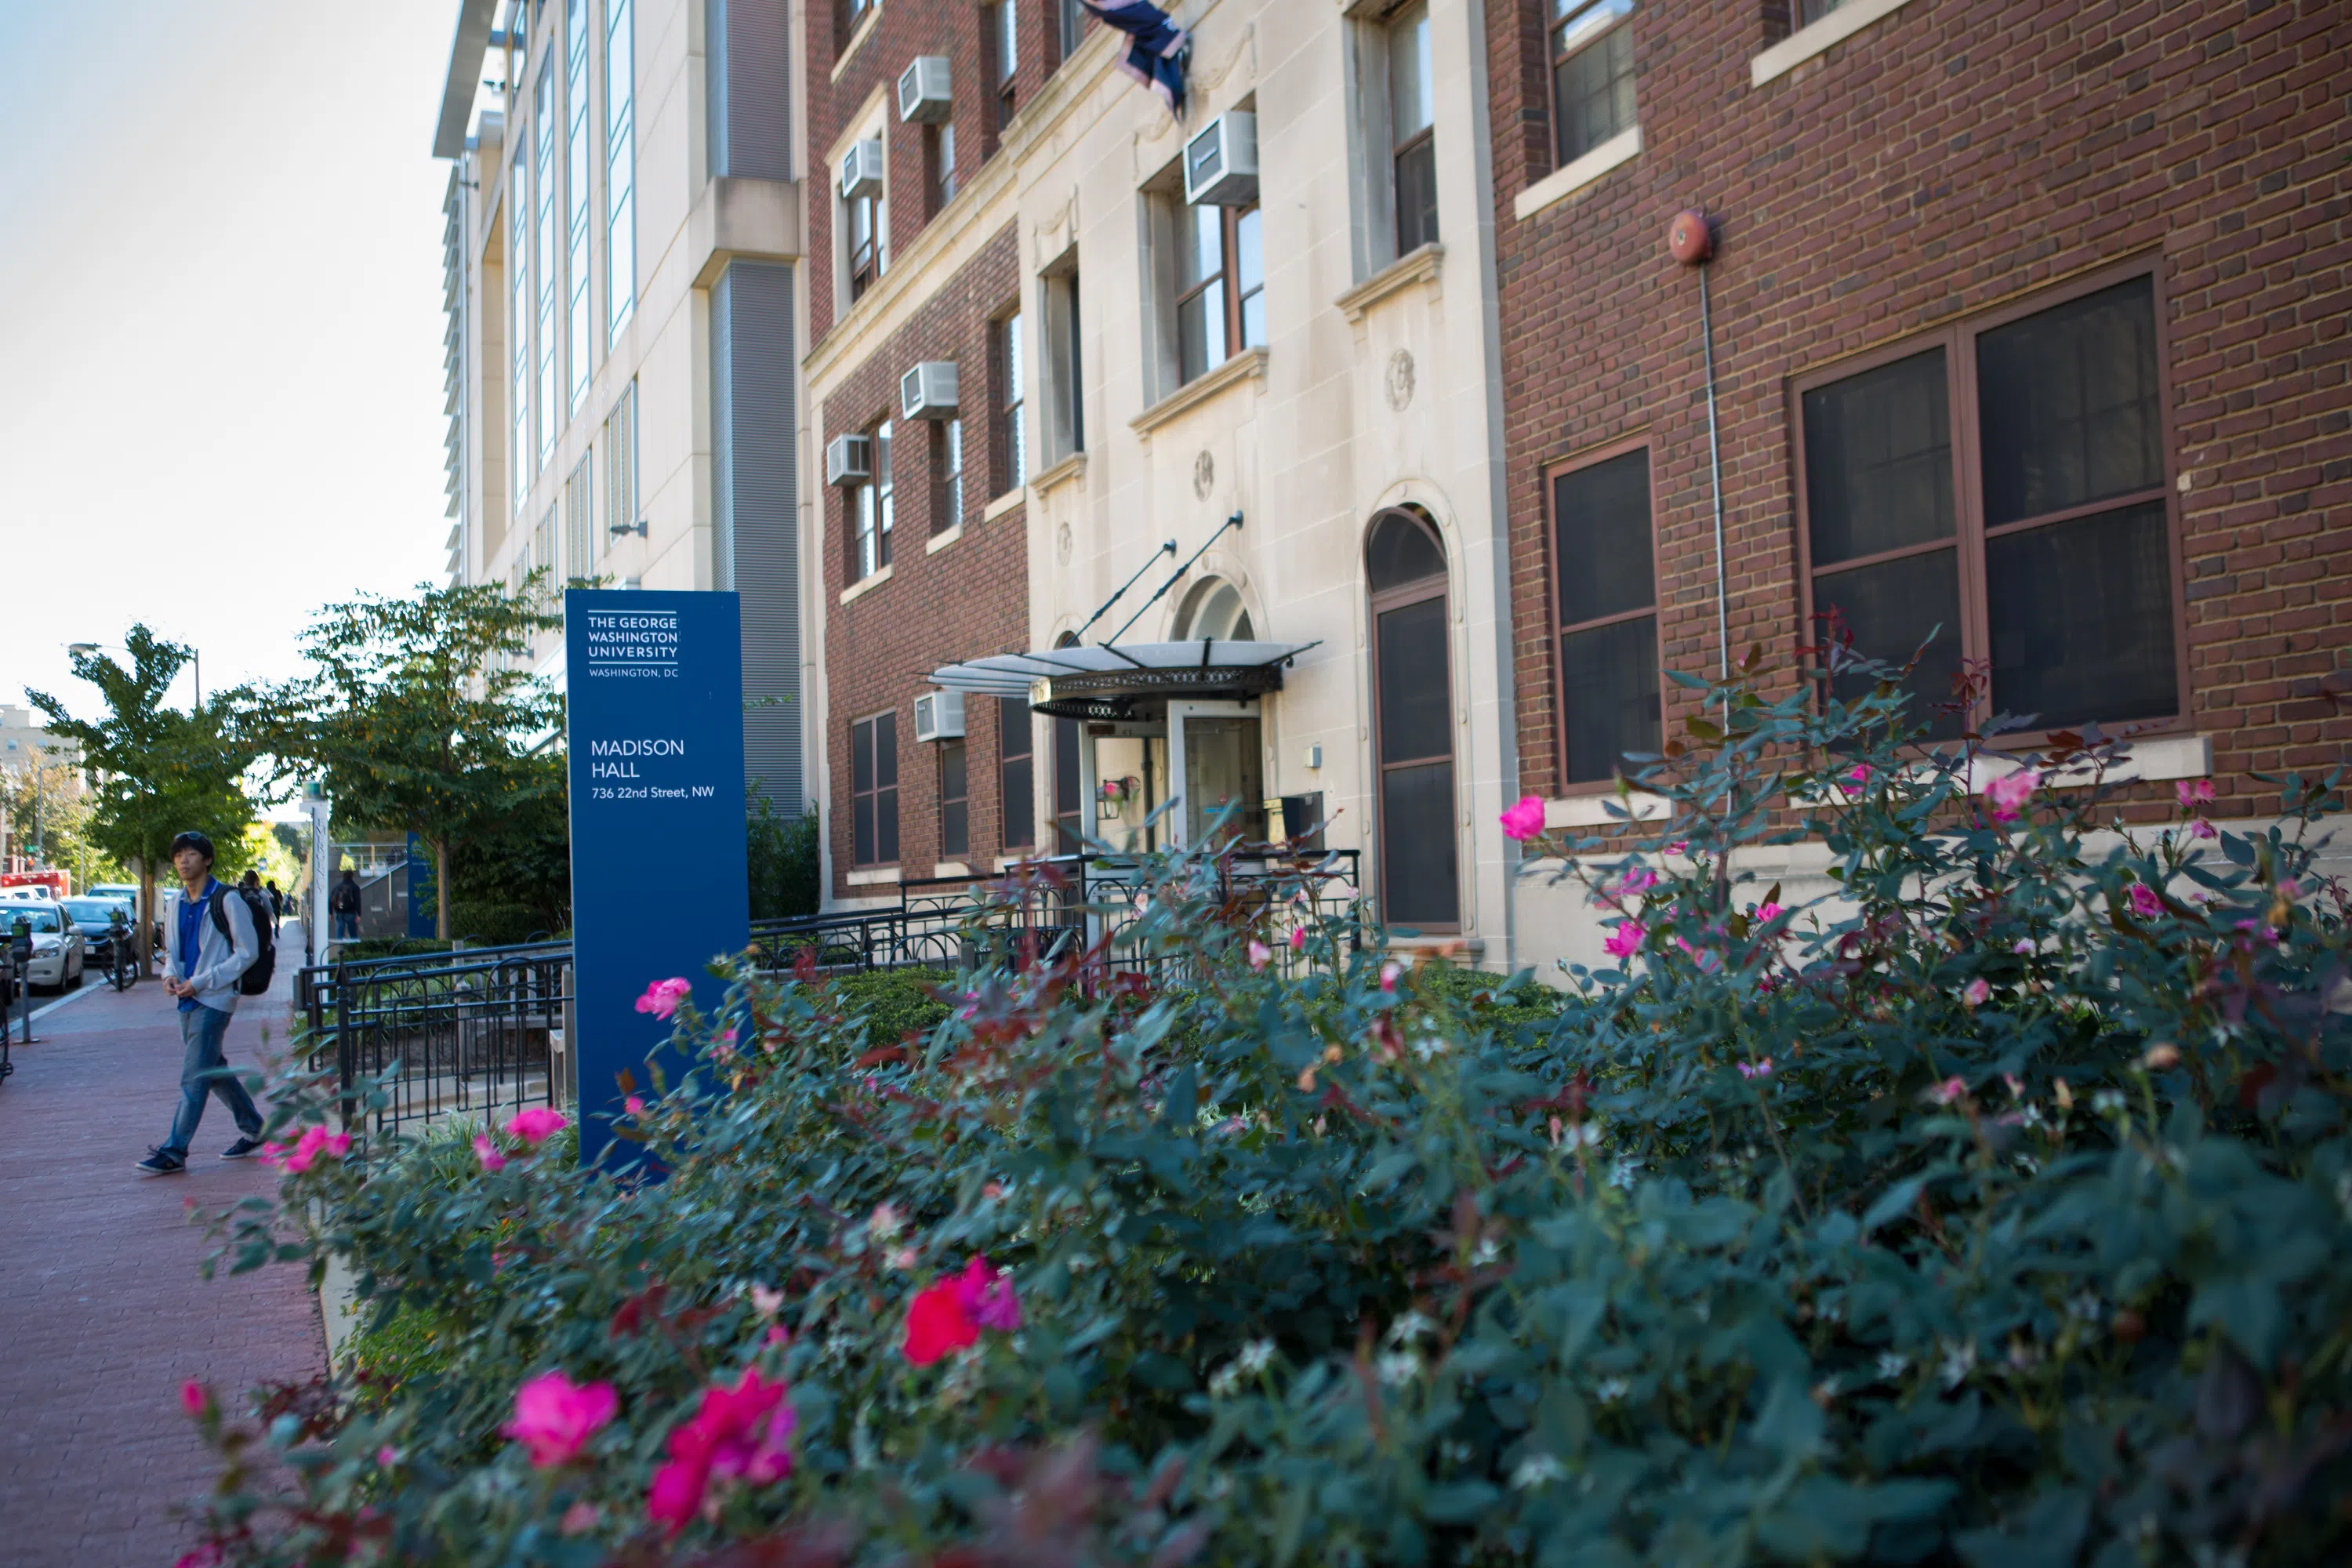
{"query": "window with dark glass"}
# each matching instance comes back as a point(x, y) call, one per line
point(1004, 41)
point(1592, 74)
point(1011, 454)
point(947, 475)
point(1404, 567)
point(1412, 128)
point(1071, 22)
point(955, 802)
point(1220, 286)
point(1603, 559)
point(1015, 769)
point(2054, 571)
point(875, 512)
point(939, 167)
point(873, 790)
point(864, 249)
point(1815, 10)
point(1065, 431)
point(846, 15)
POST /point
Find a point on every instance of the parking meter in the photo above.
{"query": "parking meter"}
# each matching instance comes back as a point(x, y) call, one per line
point(20, 961)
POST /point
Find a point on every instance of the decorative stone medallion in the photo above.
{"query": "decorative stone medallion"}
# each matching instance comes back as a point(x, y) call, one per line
point(1204, 474)
point(1400, 380)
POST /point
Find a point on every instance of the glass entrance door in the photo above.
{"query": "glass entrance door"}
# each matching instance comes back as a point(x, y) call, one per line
point(1218, 765)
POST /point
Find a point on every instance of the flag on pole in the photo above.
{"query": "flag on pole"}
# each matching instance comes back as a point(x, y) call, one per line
point(1156, 53)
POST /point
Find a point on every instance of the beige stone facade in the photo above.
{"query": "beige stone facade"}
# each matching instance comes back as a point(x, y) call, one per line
point(1373, 387)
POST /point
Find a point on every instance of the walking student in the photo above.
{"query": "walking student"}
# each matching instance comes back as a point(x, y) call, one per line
point(210, 954)
point(343, 903)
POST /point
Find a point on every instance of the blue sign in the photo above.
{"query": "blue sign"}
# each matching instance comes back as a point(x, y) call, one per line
point(424, 891)
point(659, 884)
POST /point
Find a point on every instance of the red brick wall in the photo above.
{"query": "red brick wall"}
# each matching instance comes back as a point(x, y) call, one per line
point(969, 600)
point(904, 29)
point(1950, 156)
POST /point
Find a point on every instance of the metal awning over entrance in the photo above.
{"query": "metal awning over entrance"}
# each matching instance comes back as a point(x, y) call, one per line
point(1126, 683)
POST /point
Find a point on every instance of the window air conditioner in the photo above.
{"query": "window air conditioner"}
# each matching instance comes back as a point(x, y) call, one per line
point(928, 391)
point(1220, 163)
point(938, 716)
point(924, 94)
point(861, 171)
point(849, 460)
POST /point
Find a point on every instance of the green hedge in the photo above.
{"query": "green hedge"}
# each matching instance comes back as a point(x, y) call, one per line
point(487, 923)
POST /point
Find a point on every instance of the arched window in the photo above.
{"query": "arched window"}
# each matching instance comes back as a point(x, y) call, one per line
point(1214, 609)
point(1412, 731)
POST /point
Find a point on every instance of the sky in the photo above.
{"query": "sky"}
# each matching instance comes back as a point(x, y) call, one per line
point(220, 324)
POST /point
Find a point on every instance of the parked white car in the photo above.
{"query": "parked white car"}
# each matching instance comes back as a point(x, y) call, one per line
point(59, 949)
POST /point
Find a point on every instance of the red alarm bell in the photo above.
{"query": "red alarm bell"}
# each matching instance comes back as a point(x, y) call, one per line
point(1690, 238)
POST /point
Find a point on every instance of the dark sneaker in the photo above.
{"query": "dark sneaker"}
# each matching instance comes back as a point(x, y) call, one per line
point(161, 1162)
point(242, 1149)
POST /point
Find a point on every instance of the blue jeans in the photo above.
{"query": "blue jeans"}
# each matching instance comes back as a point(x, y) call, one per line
point(205, 1071)
point(347, 928)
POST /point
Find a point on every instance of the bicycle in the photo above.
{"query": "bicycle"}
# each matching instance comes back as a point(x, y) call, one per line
point(122, 965)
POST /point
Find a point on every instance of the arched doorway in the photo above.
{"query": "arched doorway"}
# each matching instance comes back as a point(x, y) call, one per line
point(1412, 722)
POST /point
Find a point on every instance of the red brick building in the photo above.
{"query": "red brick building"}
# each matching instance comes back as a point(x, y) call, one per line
point(926, 560)
point(2028, 322)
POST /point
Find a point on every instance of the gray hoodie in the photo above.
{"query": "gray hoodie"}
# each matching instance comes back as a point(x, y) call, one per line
point(219, 959)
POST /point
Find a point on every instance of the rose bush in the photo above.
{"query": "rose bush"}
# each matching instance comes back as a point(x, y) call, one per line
point(1998, 1210)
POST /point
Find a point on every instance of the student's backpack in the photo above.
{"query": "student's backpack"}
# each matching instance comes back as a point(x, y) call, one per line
point(255, 981)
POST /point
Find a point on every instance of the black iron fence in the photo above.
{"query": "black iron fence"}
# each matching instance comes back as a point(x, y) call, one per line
point(476, 1033)
point(482, 1033)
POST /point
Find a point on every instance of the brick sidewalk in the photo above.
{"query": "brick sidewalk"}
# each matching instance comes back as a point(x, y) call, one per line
point(102, 1315)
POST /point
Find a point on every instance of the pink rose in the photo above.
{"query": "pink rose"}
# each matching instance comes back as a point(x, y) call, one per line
point(1388, 972)
point(2024, 948)
point(2144, 902)
point(634, 1105)
point(1856, 778)
point(2194, 792)
point(1526, 820)
point(1758, 1069)
point(1766, 912)
point(987, 1298)
point(537, 1125)
point(1260, 955)
point(2010, 793)
point(743, 1433)
point(487, 1153)
point(1950, 1090)
point(1299, 939)
point(305, 1151)
point(1978, 993)
point(1640, 879)
point(662, 997)
point(196, 1399)
point(554, 1417)
point(2201, 828)
point(1626, 939)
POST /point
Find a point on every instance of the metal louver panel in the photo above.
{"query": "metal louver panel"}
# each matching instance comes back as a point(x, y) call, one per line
point(749, 61)
point(755, 437)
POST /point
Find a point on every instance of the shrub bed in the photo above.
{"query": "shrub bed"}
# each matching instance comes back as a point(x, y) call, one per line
point(1997, 1212)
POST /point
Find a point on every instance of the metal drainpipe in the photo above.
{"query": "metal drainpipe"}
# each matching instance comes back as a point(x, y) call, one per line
point(1691, 241)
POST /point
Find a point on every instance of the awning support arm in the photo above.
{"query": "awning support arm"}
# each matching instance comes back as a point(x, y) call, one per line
point(1178, 577)
point(1167, 549)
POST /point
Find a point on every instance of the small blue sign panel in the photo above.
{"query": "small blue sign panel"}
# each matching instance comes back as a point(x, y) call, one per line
point(424, 891)
point(659, 884)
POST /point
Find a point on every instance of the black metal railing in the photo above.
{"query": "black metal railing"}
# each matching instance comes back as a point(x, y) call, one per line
point(474, 1032)
point(466, 1032)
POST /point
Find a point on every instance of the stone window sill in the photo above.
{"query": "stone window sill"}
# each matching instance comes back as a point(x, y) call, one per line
point(849, 52)
point(864, 585)
point(1592, 810)
point(1418, 266)
point(1003, 503)
point(1815, 38)
point(1061, 473)
point(1565, 181)
point(1247, 366)
point(939, 541)
point(874, 877)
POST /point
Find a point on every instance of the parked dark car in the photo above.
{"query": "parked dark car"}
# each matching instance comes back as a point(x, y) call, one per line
point(96, 917)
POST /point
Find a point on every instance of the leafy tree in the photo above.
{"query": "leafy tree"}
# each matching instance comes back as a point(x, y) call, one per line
point(157, 771)
point(46, 802)
point(783, 856)
point(522, 856)
point(421, 712)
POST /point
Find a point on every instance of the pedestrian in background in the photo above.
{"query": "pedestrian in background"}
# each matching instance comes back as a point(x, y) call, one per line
point(211, 955)
point(343, 903)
